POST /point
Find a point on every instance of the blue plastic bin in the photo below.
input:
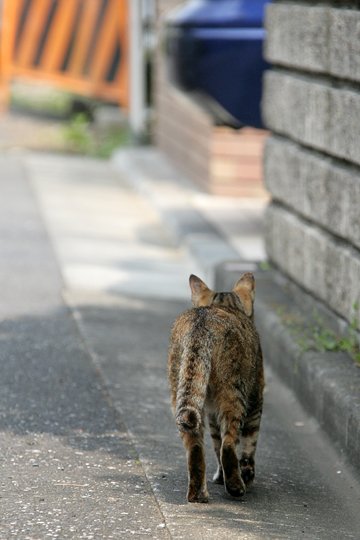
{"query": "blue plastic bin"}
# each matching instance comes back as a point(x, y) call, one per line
point(214, 52)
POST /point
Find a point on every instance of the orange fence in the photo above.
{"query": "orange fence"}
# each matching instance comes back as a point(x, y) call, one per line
point(78, 45)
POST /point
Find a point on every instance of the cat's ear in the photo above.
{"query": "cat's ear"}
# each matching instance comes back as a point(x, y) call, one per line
point(201, 295)
point(245, 289)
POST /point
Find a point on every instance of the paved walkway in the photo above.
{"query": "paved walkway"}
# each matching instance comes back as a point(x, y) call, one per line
point(106, 236)
point(135, 226)
point(91, 281)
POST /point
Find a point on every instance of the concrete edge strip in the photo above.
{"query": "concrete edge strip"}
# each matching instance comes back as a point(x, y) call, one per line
point(321, 382)
point(77, 319)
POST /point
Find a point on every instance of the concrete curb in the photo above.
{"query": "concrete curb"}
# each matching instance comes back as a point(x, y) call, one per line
point(326, 383)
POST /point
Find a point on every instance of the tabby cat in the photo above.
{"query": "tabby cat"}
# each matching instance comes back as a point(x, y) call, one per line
point(215, 368)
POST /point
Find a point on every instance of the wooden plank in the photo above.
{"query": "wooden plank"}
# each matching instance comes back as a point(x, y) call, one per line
point(106, 42)
point(84, 37)
point(33, 29)
point(114, 28)
point(109, 92)
point(123, 78)
point(10, 15)
point(59, 35)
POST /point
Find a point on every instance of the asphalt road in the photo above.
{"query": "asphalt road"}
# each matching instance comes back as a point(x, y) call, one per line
point(69, 468)
point(88, 445)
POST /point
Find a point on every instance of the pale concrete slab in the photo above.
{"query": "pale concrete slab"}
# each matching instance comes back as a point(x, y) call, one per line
point(239, 220)
point(213, 228)
point(107, 237)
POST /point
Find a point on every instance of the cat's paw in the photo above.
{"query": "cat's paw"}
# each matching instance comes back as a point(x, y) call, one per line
point(234, 484)
point(247, 466)
point(236, 488)
point(197, 496)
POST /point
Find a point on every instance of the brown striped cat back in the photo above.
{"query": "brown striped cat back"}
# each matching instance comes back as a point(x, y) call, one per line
point(215, 369)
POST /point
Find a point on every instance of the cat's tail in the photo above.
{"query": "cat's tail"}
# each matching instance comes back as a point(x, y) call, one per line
point(192, 388)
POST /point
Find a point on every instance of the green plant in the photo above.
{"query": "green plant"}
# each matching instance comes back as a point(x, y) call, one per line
point(317, 336)
point(108, 142)
point(41, 100)
point(325, 339)
point(264, 265)
point(350, 342)
point(80, 137)
point(77, 134)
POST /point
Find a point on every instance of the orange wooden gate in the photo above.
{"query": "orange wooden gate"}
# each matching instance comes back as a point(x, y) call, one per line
point(78, 45)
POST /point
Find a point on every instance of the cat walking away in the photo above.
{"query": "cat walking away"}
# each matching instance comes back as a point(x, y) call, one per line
point(215, 369)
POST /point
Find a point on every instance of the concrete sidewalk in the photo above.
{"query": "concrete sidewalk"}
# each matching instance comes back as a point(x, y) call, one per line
point(92, 277)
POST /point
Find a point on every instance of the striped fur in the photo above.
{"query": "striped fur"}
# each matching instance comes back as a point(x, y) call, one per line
point(215, 369)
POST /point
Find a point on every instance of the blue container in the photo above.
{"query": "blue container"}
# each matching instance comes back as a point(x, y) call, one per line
point(214, 51)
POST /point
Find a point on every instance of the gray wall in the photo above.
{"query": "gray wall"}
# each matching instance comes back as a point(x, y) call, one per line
point(312, 160)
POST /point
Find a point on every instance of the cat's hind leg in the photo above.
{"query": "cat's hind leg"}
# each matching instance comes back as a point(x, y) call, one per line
point(194, 445)
point(218, 477)
point(231, 419)
point(249, 437)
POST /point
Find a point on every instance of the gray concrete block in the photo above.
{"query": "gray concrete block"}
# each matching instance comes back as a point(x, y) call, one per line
point(354, 288)
point(297, 36)
point(285, 242)
point(314, 255)
point(344, 43)
point(314, 38)
point(337, 274)
point(297, 107)
point(318, 188)
point(315, 260)
point(353, 205)
point(344, 124)
point(284, 172)
point(338, 197)
point(314, 114)
point(276, 242)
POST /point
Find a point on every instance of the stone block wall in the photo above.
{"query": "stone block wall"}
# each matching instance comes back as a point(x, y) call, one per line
point(312, 159)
